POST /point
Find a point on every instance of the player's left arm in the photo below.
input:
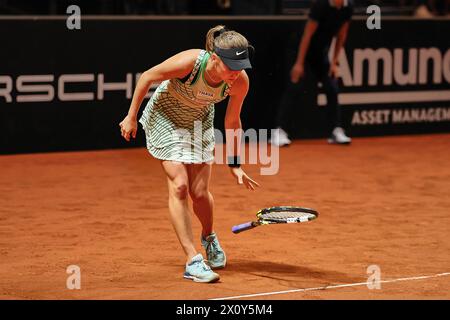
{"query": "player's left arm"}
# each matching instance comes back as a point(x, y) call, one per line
point(237, 94)
point(233, 127)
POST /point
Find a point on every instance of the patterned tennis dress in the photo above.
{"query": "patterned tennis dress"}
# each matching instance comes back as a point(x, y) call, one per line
point(179, 117)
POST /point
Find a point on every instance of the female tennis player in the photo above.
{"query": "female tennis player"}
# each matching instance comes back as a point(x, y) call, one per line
point(192, 82)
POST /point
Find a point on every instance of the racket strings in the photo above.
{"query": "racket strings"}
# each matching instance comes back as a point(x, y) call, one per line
point(285, 215)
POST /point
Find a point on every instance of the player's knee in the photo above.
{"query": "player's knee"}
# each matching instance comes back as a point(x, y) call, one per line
point(199, 195)
point(180, 189)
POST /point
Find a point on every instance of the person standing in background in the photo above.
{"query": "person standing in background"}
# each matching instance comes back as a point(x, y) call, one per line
point(327, 19)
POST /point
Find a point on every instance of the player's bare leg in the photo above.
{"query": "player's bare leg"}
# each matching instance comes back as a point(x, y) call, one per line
point(203, 202)
point(177, 178)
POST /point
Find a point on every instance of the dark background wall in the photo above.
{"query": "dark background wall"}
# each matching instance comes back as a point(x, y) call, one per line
point(117, 47)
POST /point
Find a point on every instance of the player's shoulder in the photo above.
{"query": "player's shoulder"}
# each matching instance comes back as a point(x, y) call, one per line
point(243, 79)
point(190, 54)
point(185, 59)
point(241, 85)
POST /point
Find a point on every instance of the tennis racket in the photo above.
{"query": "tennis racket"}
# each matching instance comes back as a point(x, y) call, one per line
point(282, 214)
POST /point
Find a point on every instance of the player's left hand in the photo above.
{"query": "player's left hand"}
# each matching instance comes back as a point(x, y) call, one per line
point(243, 178)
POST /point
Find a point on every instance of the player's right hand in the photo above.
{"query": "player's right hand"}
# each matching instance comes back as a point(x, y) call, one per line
point(297, 72)
point(128, 128)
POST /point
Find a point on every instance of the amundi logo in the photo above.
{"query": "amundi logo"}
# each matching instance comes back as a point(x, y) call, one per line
point(394, 69)
point(417, 71)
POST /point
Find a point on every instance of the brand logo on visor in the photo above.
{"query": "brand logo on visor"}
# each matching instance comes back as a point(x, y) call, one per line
point(239, 53)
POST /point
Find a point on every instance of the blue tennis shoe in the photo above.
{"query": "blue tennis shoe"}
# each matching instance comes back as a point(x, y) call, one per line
point(199, 271)
point(214, 253)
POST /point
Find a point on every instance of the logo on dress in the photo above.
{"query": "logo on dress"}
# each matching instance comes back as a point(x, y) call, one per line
point(201, 93)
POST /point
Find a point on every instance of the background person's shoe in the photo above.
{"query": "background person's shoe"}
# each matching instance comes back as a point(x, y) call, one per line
point(199, 271)
point(214, 253)
point(338, 137)
point(279, 138)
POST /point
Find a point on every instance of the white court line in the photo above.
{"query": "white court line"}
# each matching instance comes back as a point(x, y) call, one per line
point(332, 287)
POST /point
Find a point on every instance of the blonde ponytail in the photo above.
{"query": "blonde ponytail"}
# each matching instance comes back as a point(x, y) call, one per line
point(210, 37)
point(226, 39)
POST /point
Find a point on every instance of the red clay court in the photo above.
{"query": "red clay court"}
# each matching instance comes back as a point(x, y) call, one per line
point(382, 201)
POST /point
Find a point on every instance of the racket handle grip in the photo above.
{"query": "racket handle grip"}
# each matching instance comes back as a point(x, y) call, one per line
point(243, 227)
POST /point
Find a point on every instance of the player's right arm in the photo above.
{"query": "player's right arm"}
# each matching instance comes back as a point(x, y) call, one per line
point(177, 66)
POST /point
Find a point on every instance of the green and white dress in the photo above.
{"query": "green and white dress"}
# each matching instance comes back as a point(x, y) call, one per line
point(179, 117)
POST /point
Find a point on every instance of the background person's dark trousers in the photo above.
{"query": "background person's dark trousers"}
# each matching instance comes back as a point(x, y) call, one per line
point(320, 71)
